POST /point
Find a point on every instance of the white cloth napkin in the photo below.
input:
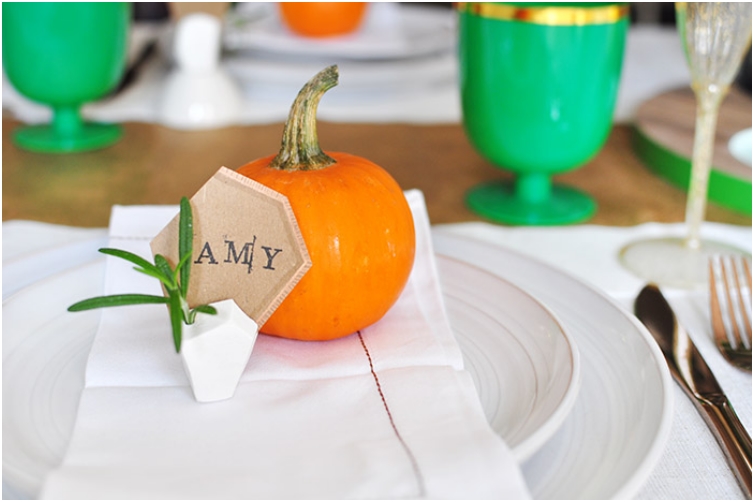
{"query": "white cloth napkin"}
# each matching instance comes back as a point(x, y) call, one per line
point(387, 413)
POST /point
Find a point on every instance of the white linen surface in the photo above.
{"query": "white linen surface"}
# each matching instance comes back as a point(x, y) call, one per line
point(387, 413)
point(590, 252)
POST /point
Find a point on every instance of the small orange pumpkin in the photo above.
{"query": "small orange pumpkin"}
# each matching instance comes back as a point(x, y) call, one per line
point(355, 221)
point(322, 19)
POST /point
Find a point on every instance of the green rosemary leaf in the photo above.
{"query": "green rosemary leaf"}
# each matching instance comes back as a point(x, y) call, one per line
point(157, 274)
point(185, 240)
point(179, 268)
point(175, 281)
point(176, 318)
point(128, 256)
point(115, 301)
point(206, 309)
point(164, 267)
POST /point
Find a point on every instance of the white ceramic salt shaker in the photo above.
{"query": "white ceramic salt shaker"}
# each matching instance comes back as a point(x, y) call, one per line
point(215, 350)
point(199, 93)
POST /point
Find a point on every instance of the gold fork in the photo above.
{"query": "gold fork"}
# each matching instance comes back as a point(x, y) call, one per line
point(730, 305)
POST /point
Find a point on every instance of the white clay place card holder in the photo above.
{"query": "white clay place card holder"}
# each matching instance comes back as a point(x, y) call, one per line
point(248, 254)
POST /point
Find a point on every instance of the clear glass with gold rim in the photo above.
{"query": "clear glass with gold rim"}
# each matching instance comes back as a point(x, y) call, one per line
point(715, 37)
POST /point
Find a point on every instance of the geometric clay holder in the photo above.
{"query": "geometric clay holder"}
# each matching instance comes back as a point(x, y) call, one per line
point(215, 351)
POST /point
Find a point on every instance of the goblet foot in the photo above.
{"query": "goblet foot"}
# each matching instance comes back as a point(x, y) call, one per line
point(499, 202)
point(45, 139)
point(668, 261)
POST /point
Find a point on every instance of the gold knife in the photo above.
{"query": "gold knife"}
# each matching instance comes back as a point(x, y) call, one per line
point(693, 375)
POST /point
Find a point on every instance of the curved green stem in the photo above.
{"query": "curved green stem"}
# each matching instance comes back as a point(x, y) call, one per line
point(300, 150)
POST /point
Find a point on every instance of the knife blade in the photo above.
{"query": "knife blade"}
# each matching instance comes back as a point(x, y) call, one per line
point(694, 376)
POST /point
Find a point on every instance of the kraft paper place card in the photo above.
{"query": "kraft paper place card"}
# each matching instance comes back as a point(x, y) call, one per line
point(247, 245)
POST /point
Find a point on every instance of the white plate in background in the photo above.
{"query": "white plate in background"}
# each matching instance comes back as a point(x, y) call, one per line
point(358, 81)
point(739, 146)
point(388, 31)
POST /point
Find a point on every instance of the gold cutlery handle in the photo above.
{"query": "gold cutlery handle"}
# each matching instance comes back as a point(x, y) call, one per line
point(731, 435)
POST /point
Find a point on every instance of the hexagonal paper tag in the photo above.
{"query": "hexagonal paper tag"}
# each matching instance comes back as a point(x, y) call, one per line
point(247, 245)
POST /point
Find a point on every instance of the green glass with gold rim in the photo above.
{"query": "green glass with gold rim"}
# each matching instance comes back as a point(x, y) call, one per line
point(64, 54)
point(538, 84)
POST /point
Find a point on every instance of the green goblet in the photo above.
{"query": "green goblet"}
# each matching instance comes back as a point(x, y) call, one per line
point(538, 88)
point(63, 55)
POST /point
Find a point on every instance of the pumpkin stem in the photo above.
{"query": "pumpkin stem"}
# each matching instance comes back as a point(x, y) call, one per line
point(300, 149)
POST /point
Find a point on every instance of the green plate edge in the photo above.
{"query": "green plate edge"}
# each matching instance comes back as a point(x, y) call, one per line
point(728, 191)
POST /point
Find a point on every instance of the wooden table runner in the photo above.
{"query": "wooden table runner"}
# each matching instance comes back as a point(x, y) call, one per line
point(156, 165)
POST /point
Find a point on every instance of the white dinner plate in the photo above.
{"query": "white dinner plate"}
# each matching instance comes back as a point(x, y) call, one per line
point(359, 82)
point(388, 31)
point(617, 430)
point(524, 365)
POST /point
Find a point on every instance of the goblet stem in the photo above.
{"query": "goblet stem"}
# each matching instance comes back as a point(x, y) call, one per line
point(66, 121)
point(708, 105)
point(533, 187)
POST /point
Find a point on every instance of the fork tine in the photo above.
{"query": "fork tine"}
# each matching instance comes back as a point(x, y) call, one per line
point(730, 308)
point(732, 305)
point(746, 290)
point(719, 329)
point(742, 276)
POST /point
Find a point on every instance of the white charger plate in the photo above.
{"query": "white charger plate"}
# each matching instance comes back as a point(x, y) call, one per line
point(618, 428)
point(388, 31)
point(524, 365)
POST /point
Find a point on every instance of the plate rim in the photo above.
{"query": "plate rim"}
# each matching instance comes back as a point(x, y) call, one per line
point(536, 439)
point(635, 480)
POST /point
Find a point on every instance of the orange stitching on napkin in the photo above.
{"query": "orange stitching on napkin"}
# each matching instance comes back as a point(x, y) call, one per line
point(414, 463)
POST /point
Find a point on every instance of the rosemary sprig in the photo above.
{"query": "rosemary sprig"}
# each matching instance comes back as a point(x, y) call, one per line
point(175, 281)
